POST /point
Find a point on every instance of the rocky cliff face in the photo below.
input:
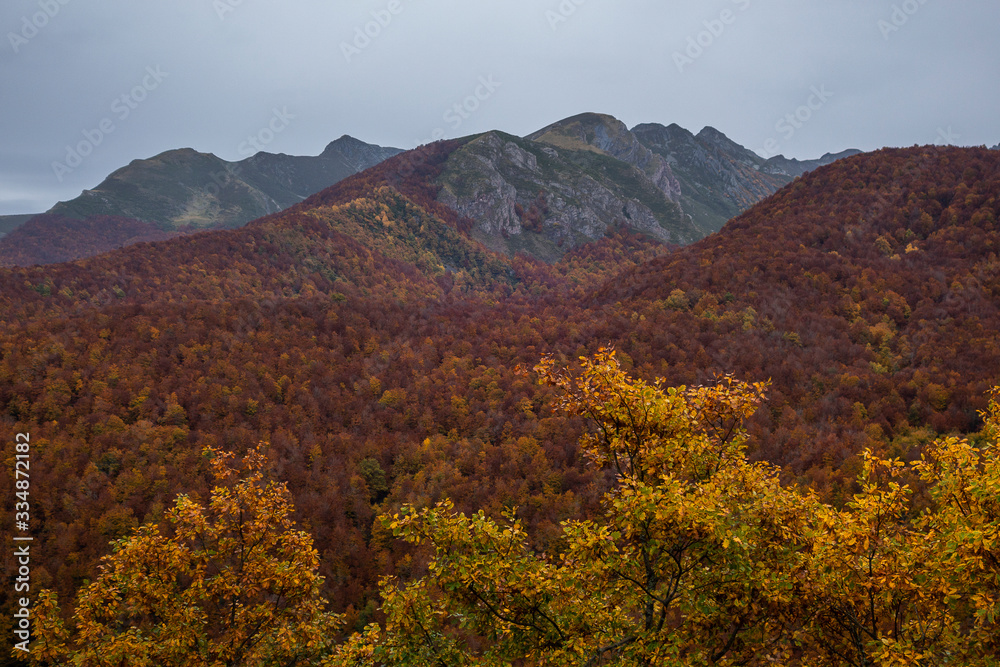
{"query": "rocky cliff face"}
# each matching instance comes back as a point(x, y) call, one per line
point(710, 176)
point(591, 131)
point(568, 182)
point(720, 178)
point(543, 199)
point(720, 144)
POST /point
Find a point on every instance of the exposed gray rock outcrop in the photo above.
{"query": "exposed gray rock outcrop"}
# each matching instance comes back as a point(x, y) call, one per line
point(541, 199)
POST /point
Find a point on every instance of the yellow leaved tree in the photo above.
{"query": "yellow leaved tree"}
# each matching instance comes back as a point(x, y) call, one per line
point(231, 583)
point(890, 587)
point(964, 533)
point(702, 557)
point(696, 559)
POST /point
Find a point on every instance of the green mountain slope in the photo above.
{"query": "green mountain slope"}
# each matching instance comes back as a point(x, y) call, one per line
point(185, 188)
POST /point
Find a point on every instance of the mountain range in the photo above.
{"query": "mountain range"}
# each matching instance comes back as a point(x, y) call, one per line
point(543, 194)
point(185, 188)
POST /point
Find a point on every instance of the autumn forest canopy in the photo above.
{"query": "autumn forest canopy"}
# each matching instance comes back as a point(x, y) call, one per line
point(774, 446)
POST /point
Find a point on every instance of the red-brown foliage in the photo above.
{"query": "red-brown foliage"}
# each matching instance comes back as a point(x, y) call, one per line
point(47, 239)
point(359, 333)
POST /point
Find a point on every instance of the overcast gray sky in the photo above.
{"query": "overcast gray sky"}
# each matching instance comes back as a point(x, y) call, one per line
point(126, 79)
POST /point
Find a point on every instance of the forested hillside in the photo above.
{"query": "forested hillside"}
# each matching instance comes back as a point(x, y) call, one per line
point(868, 291)
point(51, 239)
point(378, 350)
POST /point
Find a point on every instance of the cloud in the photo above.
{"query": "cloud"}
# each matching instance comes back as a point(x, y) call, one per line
point(230, 68)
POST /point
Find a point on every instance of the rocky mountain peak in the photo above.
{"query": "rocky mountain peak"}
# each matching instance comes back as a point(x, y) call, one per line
point(345, 145)
point(356, 153)
point(586, 131)
point(546, 197)
point(779, 165)
point(668, 137)
point(606, 134)
point(716, 139)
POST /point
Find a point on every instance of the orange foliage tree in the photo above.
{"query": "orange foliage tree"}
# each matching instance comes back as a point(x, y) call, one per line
point(232, 583)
